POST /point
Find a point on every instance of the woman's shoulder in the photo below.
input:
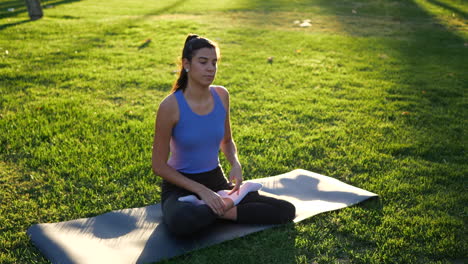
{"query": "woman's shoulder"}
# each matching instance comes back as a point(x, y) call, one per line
point(169, 101)
point(223, 95)
point(169, 105)
point(222, 91)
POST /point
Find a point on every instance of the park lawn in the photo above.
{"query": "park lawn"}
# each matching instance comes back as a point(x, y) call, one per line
point(373, 94)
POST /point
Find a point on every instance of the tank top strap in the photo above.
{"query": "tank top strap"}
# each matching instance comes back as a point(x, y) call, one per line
point(217, 100)
point(183, 105)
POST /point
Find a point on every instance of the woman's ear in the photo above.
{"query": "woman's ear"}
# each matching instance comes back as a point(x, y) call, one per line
point(186, 64)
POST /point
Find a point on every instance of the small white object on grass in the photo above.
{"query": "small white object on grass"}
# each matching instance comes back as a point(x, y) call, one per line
point(11, 10)
point(305, 24)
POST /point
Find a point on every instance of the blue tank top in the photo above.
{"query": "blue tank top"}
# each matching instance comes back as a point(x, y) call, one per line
point(196, 139)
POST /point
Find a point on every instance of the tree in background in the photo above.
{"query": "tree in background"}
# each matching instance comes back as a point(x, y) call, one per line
point(34, 9)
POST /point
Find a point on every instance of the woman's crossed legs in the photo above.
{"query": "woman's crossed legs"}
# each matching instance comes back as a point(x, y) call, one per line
point(185, 218)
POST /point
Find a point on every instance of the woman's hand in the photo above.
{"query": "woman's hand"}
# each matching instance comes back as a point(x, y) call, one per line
point(213, 200)
point(235, 176)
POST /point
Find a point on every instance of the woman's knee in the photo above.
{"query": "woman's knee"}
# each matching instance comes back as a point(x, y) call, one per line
point(179, 221)
point(288, 211)
point(285, 211)
point(187, 220)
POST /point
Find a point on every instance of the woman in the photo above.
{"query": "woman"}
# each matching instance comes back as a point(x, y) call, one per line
point(192, 125)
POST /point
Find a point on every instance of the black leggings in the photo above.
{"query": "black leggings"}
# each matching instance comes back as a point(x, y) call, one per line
point(183, 218)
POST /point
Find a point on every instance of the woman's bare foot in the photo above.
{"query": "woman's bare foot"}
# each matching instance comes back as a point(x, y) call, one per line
point(231, 210)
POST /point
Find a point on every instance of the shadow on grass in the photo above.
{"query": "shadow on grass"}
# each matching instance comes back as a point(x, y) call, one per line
point(19, 7)
point(2, 27)
point(165, 9)
point(455, 10)
point(66, 55)
point(427, 44)
point(15, 4)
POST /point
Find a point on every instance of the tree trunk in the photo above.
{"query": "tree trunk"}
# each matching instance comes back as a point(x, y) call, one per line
point(34, 9)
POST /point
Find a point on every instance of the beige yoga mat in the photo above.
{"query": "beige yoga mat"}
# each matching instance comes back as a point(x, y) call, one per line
point(137, 235)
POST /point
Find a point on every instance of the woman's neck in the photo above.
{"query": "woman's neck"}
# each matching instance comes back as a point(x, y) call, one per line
point(197, 92)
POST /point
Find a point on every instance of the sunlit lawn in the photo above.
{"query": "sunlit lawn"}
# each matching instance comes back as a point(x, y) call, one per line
point(372, 93)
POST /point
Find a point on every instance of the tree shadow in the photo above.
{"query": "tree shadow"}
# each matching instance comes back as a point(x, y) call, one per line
point(4, 26)
point(83, 44)
point(455, 10)
point(110, 30)
point(20, 7)
point(420, 42)
point(165, 9)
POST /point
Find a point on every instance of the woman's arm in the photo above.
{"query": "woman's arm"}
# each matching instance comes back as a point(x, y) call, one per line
point(166, 119)
point(228, 147)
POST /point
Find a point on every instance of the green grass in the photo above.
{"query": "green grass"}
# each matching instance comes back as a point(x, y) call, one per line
point(375, 98)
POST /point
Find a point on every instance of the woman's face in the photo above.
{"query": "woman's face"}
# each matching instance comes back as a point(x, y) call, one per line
point(203, 67)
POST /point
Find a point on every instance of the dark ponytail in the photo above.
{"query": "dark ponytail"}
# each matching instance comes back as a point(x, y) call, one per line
point(193, 43)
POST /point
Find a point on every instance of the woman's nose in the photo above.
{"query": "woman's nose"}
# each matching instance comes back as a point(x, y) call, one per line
point(211, 67)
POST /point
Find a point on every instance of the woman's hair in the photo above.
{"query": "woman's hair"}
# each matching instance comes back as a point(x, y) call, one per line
point(192, 44)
